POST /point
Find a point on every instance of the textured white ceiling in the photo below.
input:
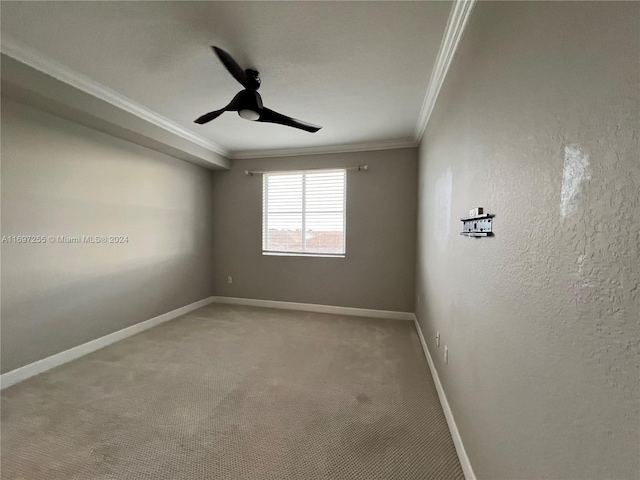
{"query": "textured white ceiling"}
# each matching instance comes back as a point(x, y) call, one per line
point(359, 69)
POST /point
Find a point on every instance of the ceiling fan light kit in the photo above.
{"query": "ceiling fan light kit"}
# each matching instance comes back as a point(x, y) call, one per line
point(249, 115)
point(248, 102)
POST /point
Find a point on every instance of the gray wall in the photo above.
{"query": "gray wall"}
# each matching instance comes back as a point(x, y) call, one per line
point(379, 268)
point(59, 178)
point(538, 123)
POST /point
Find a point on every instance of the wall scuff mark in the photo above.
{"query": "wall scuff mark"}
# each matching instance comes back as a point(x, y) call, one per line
point(576, 170)
point(442, 213)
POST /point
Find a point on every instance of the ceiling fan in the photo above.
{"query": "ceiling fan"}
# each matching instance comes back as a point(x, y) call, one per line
point(248, 102)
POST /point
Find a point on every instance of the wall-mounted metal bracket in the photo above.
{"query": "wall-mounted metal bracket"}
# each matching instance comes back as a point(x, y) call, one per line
point(477, 225)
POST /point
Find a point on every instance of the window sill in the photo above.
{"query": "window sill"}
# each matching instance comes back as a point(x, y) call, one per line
point(291, 254)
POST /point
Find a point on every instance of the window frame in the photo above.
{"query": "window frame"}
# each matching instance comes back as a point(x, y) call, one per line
point(265, 213)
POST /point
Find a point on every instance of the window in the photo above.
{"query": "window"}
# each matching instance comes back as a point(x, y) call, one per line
point(303, 213)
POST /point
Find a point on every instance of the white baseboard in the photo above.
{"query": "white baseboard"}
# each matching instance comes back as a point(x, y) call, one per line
point(22, 373)
point(311, 307)
point(453, 428)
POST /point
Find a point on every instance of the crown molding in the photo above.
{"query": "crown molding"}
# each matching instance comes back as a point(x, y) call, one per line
point(458, 19)
point(34, 59)
point(354, 147)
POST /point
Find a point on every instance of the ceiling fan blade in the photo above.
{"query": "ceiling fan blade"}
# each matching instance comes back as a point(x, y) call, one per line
point(234, 106)
point(207, 117)
point(232, 66)
point(269, 116)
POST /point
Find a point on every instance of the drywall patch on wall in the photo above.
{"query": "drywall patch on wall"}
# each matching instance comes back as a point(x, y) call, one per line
point(582, 286)
point(442, 205)
point(576, 170)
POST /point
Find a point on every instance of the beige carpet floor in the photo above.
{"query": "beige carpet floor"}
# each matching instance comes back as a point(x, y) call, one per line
point(231, 392)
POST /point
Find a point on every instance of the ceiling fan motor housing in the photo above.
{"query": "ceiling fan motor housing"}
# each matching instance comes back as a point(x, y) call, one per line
point(253, 79)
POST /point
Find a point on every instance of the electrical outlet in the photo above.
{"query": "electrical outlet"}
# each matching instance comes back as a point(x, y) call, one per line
point(437, 339)
point(446, 354)
point(229, 280)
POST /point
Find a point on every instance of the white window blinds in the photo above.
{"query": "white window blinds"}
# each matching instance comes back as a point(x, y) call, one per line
point(304, 212)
